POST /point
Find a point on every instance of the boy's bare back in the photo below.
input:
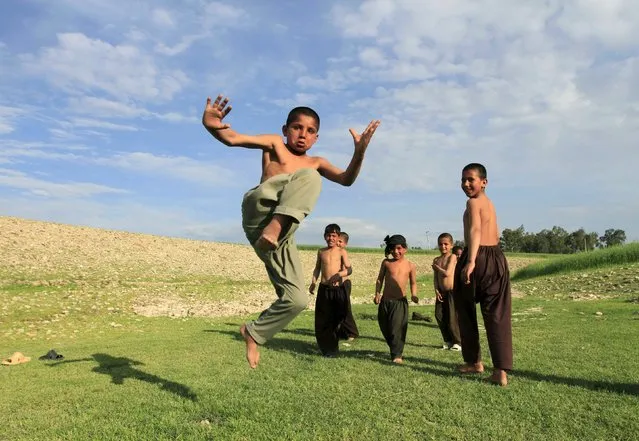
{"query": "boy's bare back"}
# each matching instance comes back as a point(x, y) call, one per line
point(480, 213)
point(395, 275)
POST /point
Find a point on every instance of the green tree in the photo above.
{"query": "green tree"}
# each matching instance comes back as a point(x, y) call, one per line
point(613, 237)
point(512, 240)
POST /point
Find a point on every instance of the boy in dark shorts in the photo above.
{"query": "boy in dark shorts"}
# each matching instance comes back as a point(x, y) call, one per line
point(392, 313)
point(443, 280)
point(482, 276)
point(331, 303)
point(348, 330)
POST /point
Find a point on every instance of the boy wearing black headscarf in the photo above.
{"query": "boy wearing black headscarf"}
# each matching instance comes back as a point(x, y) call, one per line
point(394, 275)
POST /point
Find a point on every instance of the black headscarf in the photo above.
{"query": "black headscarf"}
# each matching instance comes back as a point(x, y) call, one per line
point(392, 241)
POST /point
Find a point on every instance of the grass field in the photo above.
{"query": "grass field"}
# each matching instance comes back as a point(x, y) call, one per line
point(126, 376)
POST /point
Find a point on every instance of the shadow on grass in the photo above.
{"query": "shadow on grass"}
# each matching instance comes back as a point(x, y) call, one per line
point(428, 365)
point(121, 368)
point(601, 386)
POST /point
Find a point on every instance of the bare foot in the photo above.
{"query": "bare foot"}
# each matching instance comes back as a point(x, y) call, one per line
point(252, 354)
point(398, 360)
point(266, 243)
point(499, 377)
point(471, 368)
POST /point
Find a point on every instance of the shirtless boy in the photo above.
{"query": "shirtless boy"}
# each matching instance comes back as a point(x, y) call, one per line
point(330, 305)
point(348, 329)
point(444, 277)
point(392, 313)
point(482, 276)
point(272, 211)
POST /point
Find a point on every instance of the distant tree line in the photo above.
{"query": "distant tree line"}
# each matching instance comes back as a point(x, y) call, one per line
point(558, 241)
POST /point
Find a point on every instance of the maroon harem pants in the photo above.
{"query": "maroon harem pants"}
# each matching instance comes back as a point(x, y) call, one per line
point(490, 287)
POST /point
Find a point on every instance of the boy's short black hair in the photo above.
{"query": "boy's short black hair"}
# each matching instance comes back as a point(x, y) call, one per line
point(332, 228)
point(445, 235)
point(457, 248)
point(480, 169)
point(302, 110)
point(344, 236)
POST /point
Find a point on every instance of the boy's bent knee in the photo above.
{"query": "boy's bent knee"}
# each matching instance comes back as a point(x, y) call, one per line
point(299, 301)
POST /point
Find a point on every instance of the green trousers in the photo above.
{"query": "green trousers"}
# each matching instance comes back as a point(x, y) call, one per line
point(293, 195)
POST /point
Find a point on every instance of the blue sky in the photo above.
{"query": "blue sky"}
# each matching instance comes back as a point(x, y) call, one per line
point(100, 106)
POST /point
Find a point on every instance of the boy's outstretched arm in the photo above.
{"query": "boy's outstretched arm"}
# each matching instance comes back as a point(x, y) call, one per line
point(348, 176)
point(213, 117)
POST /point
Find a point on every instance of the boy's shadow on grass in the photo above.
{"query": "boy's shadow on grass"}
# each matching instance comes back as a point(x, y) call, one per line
point(120, 368)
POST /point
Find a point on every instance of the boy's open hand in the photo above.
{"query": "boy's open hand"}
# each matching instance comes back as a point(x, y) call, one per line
point(361, 141)
point(215, 113)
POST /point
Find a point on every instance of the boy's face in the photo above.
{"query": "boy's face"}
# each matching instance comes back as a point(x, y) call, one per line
point(444, 245)
point(398, 252)
point(331, 239)
point(301, 134)
point(341, 242)
point(472, 184)
point(458, 253)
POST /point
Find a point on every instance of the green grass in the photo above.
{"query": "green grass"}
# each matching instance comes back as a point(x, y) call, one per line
point(574, 262)
point(127, 377)
point(575, 378)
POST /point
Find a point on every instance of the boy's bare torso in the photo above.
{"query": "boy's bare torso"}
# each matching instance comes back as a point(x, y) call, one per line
point(331, 262)
point(488, 220)
point(282, 161)
point(443, 282)
point(396, 278)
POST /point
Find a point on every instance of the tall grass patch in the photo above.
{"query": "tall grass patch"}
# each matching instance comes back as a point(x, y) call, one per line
point(626, 254)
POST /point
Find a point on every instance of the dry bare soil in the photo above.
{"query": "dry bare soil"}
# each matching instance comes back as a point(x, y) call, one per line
point(148, 275)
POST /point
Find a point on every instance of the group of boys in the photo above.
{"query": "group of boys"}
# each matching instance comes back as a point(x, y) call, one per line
point(289, 188)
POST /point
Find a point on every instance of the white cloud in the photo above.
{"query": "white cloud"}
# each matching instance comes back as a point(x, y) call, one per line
point(86, 122)
point(123, 71)
point(300, 99)
point(40, 187)
point(8, 115)
point(162, 17)
point(180, 167)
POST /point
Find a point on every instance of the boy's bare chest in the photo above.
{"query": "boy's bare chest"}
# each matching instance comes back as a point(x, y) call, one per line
point(331, 257)
point(286, 163)
point(398, 270)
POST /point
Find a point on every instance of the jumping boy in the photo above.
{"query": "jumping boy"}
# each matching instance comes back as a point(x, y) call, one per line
point(482, 276)
point(348, 329)
point(330, 305)
point(272, 211)
point(392, 313)
point(443, 280)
